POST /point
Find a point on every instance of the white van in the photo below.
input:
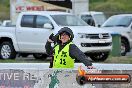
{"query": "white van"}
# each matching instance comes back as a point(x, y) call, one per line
point(6, 23)
point(93, 18)
point(121, 24)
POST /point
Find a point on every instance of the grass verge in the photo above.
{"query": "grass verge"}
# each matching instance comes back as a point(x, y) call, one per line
point(121, 59)
point(118, 60)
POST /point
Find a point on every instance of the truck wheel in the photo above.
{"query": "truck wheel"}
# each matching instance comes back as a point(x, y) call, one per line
point(99, 56)
point(39, 56)
point(124, 47)
point(7, 51)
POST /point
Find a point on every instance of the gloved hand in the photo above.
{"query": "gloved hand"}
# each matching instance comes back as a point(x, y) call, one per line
point(52, 38)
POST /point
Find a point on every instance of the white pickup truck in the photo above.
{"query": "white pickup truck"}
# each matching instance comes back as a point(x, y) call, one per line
point(93, 18)
point(121, 24)
point(33, 29)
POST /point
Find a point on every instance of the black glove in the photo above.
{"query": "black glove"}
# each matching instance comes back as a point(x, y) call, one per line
point(52, 37)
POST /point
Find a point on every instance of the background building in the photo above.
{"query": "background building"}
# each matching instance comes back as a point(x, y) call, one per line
point(74, 6)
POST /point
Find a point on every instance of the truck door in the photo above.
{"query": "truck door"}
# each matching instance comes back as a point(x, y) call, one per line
point(41, 34)
point(32, 36)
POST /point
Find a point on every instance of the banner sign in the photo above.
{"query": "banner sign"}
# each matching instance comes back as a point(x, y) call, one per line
point(29, 8)
point(17, 6)
point(56, 78)
point(99, 78)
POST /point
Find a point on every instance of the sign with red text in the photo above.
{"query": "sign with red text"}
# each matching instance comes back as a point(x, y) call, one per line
point(29, 8)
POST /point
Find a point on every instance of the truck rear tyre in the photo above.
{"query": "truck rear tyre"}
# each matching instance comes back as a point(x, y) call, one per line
point(99, 56)
point(124, 47)
point(39, 56)
point(7, 51)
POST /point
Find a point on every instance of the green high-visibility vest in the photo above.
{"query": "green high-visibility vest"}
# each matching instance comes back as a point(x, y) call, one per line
point(62, 58)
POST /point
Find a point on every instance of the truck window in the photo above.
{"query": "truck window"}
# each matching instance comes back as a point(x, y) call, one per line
point(68, 20)
point(27, 21)
point(115, 21)
point(41, 20)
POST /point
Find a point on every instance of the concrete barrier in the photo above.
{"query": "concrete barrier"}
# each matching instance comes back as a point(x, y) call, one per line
point(38, 75)
point(41, 66)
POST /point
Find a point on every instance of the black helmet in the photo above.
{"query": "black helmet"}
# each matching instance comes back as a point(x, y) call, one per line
point(68, 31)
